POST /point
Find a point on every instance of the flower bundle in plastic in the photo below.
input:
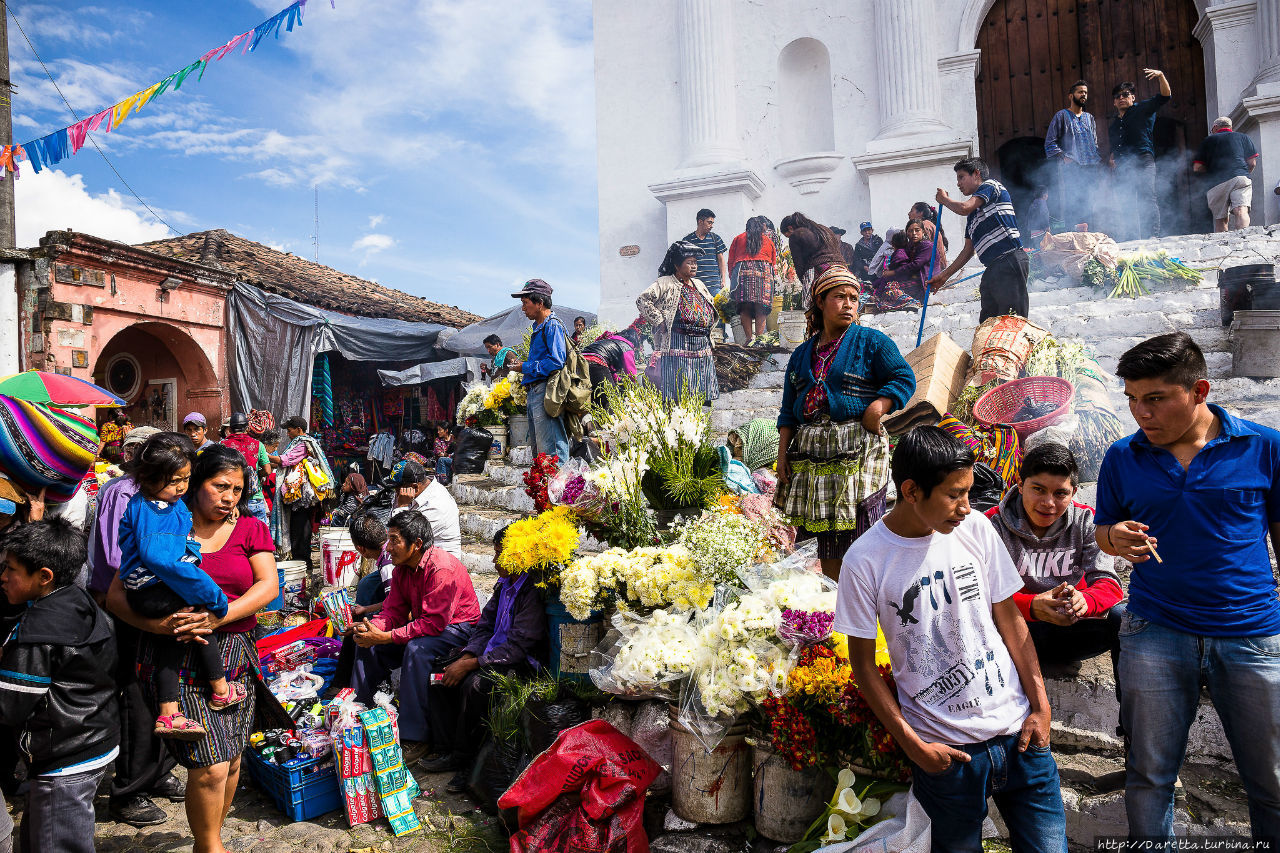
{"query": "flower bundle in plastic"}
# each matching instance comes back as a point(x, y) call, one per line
point(801, 628)
point(654, 653)
point(540, 543)
point(647, 577)
point(537, 478)
point(723, 542)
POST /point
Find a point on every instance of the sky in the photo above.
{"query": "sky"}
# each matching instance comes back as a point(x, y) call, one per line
point(452, 143)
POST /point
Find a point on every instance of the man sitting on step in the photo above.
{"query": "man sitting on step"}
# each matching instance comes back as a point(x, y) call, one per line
point(1071, 593)
point(510, 638)
point(417, 489)
point(429, 612)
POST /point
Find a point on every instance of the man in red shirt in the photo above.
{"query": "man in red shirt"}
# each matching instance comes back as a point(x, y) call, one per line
point(430, 611)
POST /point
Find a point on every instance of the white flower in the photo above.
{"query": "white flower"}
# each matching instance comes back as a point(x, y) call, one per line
point(836, 829)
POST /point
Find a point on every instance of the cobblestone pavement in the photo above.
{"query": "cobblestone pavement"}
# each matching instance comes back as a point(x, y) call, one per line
point(449, 823)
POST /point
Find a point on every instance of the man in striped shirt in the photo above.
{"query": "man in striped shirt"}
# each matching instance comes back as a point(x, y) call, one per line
point(991, 230)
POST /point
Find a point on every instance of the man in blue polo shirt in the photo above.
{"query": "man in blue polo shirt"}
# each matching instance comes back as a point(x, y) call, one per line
point(1133, 155)
point(991, 230)
point(548, 351)
point(1198, 490)
point(712, 263)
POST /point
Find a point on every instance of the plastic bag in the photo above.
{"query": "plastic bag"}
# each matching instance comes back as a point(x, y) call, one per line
point(987, 489)
point(584, 793)
point(737, 476)
point(1059, 433)
point(645, 657)
point(496, 767)
point(569, 473)
point(544, 721)
point(471, 450)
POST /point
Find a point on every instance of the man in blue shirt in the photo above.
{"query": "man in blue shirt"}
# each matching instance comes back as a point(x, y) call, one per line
point(712, 263)
point(1133, 155)
point(991, 230)
point(548, 350)
point(1204, 487)
point(1072, 142)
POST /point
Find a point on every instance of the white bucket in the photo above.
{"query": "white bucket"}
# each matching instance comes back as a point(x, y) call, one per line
point(295, 579)
point(339, 558)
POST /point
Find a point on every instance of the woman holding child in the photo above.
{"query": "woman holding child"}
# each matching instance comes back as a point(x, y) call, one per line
point(833, 454)
point(237, 553)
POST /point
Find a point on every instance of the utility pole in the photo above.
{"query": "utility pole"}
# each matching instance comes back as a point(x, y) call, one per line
point(8, 234)
point(315, 236)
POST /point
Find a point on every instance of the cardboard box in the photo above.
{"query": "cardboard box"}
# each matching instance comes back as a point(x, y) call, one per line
point(940, 365)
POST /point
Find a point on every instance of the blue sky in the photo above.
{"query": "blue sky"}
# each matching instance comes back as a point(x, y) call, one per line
point(453, 142)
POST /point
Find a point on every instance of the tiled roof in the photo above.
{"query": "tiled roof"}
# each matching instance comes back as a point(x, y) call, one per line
point(305, 281)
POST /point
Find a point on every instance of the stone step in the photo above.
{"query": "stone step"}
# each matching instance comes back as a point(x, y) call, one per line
point(476, 490)
point(479, 524)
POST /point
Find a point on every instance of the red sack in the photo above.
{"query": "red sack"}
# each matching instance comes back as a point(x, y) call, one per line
point(583, 795)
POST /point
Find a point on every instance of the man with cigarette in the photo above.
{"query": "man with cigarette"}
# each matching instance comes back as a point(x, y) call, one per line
point(1203, 487)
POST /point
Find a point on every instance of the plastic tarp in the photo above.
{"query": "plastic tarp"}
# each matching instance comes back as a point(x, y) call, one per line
point(510, 325)
point(466, 369)
point(274, 342)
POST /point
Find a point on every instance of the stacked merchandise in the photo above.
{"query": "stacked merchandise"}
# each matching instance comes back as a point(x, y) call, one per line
point(374, 780)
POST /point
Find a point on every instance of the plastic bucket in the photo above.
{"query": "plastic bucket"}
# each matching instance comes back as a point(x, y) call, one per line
point(572, 641)
point(339, 558)
point(710, 787)
point(518, 431)
point(277, 602)
point(787, 801)
point(1255, 344)
point(499, 445)
point(293, 580)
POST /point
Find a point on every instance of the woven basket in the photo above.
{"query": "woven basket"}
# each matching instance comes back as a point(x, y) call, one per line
point(1002, 402)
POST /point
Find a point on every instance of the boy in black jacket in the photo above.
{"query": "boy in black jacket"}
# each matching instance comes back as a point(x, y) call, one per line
point(56, 686)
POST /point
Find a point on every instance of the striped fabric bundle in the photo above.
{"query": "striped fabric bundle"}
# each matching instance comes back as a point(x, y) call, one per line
point(42, 447)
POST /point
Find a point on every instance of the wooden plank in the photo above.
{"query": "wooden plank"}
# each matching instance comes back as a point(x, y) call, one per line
point(1020, 67)
point(1046, 84)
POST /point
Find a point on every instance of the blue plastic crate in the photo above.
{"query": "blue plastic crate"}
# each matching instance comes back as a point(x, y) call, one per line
point(302, 791)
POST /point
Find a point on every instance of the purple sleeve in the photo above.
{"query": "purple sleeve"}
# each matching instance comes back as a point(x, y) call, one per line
point(483, 631)
point(105, 547)
point(294, 455)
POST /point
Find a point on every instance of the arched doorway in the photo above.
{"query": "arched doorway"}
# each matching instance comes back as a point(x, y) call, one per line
point(1032, 50)
point(161, 372)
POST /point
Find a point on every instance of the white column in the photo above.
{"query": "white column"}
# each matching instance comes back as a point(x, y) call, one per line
point(706, 83)
point(1268, 42)
point(907, 56)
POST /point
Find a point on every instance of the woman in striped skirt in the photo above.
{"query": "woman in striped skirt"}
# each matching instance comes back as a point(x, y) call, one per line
point(237, 551)
point(833, 454)
point(679, 309)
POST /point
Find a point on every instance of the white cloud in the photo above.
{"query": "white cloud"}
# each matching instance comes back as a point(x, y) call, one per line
point(54, 200)
point(373, 243)
point(376, 220)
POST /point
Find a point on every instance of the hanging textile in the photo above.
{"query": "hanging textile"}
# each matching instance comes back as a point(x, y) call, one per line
point(322, 389)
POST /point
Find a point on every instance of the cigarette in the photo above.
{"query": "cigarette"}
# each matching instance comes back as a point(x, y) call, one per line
point(1154, 553)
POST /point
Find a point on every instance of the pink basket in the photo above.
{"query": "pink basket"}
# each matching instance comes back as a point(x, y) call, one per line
point(1002, 402)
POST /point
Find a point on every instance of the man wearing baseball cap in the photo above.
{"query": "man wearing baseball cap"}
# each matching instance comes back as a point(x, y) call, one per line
point(548, 350)
point(864, 250)
point(196, 428)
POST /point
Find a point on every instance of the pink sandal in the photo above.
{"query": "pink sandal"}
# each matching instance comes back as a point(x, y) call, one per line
point(184, 729)
point(235, 695)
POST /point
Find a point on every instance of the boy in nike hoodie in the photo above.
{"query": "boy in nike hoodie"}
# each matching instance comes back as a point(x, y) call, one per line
point(56, 686)
point(1071, 593)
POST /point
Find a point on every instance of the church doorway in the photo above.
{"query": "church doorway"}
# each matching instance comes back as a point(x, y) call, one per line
point(1033, 50)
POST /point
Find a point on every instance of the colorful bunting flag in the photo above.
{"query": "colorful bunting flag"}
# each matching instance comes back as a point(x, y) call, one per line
point(57, 146)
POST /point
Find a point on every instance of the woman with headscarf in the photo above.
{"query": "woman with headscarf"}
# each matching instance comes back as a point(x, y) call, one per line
point(833, 453)
point(678, 307)
point(355, 491)
point(753, 261)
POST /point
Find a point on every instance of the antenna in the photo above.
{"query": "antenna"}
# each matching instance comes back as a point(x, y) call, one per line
point(315, 236)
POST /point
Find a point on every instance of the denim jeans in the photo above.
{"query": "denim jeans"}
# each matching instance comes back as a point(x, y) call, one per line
point(416, 660)
point(549, 435)
point(1026, 789)
point(1162, 670)
point(444, 469)
point(258, 509)
point(1136, 197)
point(59, 813)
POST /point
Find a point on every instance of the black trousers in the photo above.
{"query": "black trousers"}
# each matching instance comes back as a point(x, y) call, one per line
point(300, 536)
point(143, 760)
point(464, 711)
point(1004, 286)
point(155, 602)
point(1076, 183)
point(1086, 638)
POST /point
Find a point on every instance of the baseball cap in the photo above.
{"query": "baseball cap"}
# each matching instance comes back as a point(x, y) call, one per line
point(534, 287)
point(139, 435)
point(864, 226)
point(838, 231)
point(195, 418)
point(408, 473)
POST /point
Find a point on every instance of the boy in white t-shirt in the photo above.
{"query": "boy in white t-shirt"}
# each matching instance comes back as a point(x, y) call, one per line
point(971, 711)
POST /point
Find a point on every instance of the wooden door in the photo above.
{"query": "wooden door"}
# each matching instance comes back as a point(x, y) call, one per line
point(1032, 50)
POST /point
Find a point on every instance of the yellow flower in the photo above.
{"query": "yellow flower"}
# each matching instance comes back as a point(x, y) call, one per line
point(539, 542)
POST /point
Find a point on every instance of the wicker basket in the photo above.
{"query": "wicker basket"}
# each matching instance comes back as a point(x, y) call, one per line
point(1002, 402)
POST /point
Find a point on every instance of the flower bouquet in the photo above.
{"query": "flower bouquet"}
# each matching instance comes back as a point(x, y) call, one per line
point(540, 545)
point(855, 806)
point(648, 577)
point(537, 478)
point(723, 542)
point(652, 655)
